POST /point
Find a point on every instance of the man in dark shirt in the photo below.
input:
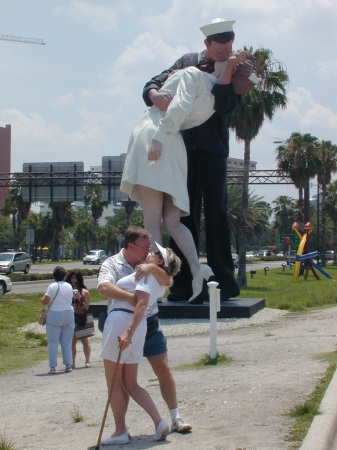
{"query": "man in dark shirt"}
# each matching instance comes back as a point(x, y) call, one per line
point(207, 149)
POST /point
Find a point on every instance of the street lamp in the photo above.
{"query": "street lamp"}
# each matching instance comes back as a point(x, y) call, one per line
point(317, 217)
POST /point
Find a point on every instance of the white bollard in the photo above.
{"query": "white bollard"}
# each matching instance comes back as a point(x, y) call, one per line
point(214, 305)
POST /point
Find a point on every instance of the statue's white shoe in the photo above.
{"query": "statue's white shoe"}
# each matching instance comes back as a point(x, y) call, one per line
point(204, 273)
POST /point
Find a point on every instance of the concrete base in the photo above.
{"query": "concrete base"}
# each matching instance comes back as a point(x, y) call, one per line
point(240, 308)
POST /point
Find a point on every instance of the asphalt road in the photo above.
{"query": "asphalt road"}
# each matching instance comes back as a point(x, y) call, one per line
point(30, 287)
point(48, 268)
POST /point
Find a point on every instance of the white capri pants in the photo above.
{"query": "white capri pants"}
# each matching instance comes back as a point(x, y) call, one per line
point(60, 329)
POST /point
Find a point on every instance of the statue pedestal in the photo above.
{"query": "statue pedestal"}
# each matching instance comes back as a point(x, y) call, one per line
point(239, 308)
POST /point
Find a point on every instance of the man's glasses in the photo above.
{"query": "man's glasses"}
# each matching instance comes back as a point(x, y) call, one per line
point(147, 247)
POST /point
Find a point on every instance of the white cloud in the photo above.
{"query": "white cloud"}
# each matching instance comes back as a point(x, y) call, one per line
point(101, 15)
point(320, 116)
point(35, 140)
point(299, 101)
point(145, 51)
point(327, 69)
point(310, 113)
point(65, 99)
point(89, 93)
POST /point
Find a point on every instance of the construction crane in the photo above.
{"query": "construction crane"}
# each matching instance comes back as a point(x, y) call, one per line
point(25, 40)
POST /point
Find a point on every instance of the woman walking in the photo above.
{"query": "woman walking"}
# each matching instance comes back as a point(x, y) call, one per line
point(60, 319)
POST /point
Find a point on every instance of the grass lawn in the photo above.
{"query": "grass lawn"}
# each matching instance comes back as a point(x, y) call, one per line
point(19, 350)
point(281, 291)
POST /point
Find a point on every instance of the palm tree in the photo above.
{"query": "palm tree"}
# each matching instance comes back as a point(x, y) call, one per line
point(83, 229)
point(331, 209)
point(43, 231)
point(15, 207)
point(299, 158)
point(93, 198)
point(63, 216)
point(129, 206)
point(258, 105)
point(285, 213)
point(257, 216)
point(6, 233)
point(328, 158)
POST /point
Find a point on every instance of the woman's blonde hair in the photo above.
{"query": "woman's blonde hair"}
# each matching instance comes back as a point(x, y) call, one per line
point(173, 263)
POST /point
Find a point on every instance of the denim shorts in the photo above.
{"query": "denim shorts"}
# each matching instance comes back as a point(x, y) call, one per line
point(155, 345)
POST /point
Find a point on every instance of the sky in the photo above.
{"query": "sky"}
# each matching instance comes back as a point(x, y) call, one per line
point(78, 97)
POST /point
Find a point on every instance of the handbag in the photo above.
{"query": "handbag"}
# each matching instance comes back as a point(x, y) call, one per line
point(88, 329)
point(44, 312)
point(43, 317)
point(81, 319)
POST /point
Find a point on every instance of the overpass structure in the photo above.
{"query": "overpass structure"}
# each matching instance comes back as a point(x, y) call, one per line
point(84, 178)
point(59, 184)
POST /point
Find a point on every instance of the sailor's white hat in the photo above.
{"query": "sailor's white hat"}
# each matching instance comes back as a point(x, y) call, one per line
point(217, 26)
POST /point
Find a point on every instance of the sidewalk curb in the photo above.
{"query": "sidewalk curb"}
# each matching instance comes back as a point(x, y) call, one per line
point(322, 433)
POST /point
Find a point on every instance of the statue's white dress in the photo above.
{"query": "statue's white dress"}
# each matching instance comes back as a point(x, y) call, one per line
point(191, 106)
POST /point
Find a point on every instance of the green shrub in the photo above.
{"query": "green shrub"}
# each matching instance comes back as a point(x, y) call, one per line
point(47, 276)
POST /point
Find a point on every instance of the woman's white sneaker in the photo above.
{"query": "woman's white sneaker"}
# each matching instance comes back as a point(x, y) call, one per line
point(161, 431)
point(116, 440)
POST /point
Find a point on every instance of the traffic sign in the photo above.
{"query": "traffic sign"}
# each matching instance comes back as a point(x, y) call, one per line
point(292, 237)
point(30, 236)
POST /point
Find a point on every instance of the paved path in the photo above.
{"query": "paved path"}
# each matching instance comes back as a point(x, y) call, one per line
point(238, 406)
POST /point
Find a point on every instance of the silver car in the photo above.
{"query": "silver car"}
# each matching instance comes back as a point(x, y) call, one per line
point(329, 255)
point(95, 257)
point(11, 262)
point(5, 285)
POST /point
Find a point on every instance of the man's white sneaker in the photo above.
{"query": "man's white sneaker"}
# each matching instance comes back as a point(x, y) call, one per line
point(161, 431)
point(180, 426)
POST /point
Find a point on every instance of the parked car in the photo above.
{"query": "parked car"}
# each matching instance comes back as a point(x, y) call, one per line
point(250, 254)
point(329, 255)
point(11, 262)
point(235, 258)
point(5, 285)
point(280, 254)
point(95, 257)
point(265, 252)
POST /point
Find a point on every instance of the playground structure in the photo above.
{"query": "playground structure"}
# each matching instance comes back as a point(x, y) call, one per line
point(306, 257)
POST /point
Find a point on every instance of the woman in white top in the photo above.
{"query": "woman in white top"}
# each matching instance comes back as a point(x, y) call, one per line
point(126, 325)
point(155, 170)
point(60, 320)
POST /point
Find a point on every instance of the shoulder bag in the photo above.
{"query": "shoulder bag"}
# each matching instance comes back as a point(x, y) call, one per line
point(44, 312)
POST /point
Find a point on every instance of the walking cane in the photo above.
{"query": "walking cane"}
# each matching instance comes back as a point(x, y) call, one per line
point(108, 401)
